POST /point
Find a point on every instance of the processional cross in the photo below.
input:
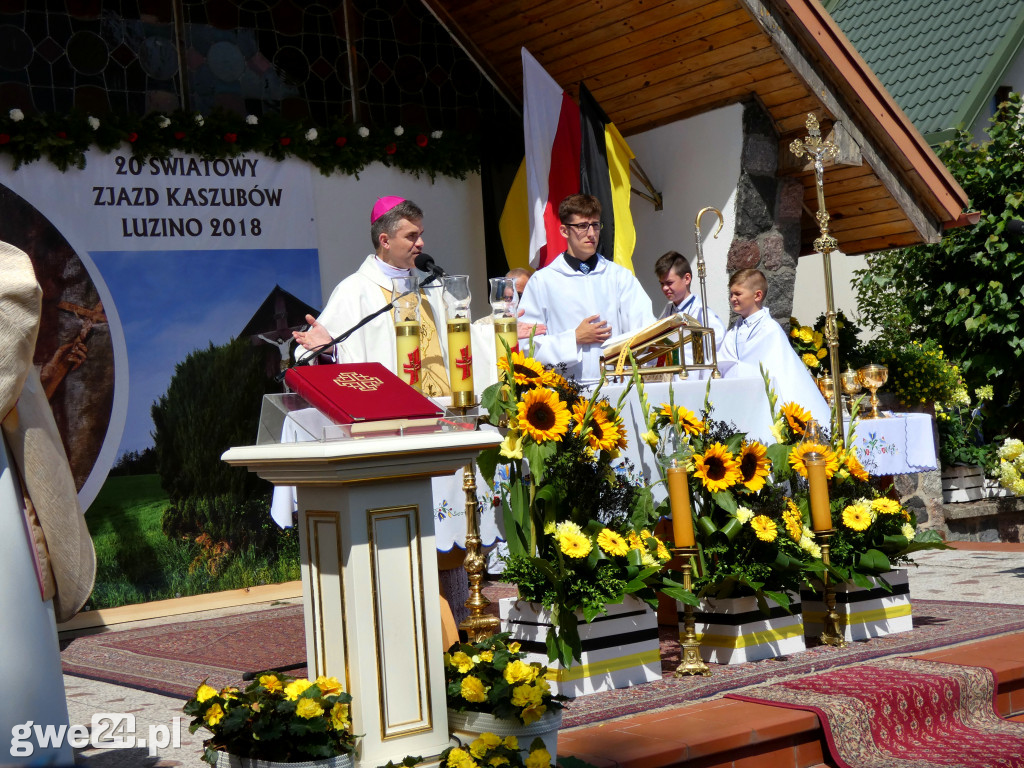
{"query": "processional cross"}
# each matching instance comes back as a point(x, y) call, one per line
point(818, 150)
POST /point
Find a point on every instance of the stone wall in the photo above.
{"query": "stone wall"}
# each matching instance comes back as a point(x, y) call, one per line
point(768, 212)
point(996, 519)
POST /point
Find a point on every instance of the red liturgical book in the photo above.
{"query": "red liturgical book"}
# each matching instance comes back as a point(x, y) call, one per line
point(361, 394)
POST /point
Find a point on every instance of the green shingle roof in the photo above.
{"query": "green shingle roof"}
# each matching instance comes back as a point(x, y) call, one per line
point(941, 60)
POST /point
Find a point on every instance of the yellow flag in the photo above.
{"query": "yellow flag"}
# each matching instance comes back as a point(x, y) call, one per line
point(619, 155)
point(514, 224)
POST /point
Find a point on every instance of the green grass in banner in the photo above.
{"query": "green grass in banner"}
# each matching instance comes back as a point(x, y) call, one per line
point(137, 563)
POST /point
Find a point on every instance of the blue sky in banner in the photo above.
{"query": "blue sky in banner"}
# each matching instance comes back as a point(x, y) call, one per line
point(171, 303)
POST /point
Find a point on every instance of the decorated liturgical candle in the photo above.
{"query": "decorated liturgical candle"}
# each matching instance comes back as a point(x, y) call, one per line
point(679, 502)
point(405, 298)
point(460, 351)
point(814, 460)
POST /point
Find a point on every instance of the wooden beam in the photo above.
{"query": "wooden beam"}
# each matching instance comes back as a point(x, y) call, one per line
point(772, 23)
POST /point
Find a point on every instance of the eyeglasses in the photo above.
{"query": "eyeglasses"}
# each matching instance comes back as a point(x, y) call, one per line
point(583, 227)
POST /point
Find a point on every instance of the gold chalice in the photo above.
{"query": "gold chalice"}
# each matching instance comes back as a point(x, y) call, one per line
point(827, 386)
point(873, 376)
point(851, 386)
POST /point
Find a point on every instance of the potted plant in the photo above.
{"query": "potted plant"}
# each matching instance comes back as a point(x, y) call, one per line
point(492, 686)
point(752, 542)
point(962, 450)
point(494, 750)
point(578, 528)
point(276, 719)
point(873, 537)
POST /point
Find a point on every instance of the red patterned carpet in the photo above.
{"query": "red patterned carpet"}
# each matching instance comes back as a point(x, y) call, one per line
point(904, 713)
point(174, 658)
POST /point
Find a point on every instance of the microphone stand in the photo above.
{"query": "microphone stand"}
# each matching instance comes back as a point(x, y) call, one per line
point(310, 355)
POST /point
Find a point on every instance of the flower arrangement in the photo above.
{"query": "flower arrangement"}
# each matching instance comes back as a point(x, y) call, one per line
point(492, 750)
point(871, 532)
point(751, 539)
point(809, 344)
point(276, 718)
point(339, 147)
point(491, 676)
point(961, 440)
point(1011, 466)
point(578, 529)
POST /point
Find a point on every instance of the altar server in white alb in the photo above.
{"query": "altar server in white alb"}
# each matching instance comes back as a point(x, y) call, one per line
point(582, 297)
point(396, 229)
point(674, 277)
point(757, 339)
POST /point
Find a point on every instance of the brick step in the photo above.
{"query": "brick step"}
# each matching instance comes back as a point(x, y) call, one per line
point(724, 733)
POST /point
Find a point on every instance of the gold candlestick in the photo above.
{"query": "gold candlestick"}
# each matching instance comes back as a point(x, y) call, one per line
point(691, 662)
point(830, 634)
point(478, 624)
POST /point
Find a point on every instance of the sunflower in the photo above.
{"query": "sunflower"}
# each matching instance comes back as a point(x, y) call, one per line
point(684, 417)
point(796, 416)
point(796, 458)
point(856, 517)
point(754, 465)
point(603, 434)
point(543, 415)
point(717, 468)
point(765, 528)
point(612, 542)
point(525, 370)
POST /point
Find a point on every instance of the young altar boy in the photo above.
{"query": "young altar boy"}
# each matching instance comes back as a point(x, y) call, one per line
point(757, 339)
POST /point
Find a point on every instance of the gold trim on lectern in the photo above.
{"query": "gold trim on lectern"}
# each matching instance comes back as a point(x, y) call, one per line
point(424, 723)
point(315, 520)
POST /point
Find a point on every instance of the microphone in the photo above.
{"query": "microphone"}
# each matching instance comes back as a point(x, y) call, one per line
point(425, 263)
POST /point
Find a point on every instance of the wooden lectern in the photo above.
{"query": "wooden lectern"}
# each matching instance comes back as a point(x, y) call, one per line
point(369, 576)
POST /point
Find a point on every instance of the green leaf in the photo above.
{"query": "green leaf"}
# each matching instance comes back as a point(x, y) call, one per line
point(680, 594)
point(874, 562)
point(726, 501)
point(487, 463)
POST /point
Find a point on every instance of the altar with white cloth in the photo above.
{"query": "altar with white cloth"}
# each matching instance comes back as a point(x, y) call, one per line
point(899, 444)
point(741, 401)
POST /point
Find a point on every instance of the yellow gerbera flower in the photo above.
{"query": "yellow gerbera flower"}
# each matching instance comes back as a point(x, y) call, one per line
point(796, 417)
point(754, 465)
point(856, 517)
point(542, 415)
point(612, 543)
point(765, 528)
point(886, 506)
point(525, 370)
point(575, 545)
point(717, 468)
point(796, 458)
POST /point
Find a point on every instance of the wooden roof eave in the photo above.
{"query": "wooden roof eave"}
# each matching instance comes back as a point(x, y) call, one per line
point(879, 119)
